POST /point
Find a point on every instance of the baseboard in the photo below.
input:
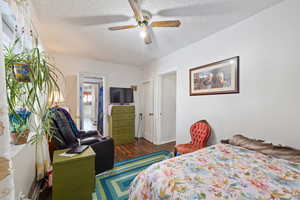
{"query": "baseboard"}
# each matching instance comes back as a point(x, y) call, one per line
point(158, 143)
point(166, 141)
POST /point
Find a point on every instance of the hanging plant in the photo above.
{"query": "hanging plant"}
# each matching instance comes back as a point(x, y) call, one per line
point(21, 72)
point(30, 80)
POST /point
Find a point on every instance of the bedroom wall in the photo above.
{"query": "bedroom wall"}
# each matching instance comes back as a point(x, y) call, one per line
point(115, 76)
point(268, 104)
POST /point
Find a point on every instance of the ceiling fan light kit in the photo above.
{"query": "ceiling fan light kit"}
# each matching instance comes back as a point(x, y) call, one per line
point(143, 17)
point(143, 33)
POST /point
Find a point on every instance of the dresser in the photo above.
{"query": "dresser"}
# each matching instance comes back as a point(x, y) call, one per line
point(122, 124)
point(73, 177)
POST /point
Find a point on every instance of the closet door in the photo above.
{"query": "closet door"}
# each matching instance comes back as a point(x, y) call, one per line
point(148, 111)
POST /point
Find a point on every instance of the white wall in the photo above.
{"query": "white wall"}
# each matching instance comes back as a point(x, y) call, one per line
point(268, 104)
point(168, 108)
point(22, 156)
point(23, 163)
point(115, 76)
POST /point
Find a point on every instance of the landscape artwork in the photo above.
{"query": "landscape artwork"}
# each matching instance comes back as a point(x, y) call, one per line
point(216, 78)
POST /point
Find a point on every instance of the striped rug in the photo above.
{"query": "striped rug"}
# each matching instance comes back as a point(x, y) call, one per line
point(114, 184)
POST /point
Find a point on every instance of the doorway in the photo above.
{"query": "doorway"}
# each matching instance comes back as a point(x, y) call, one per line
point(167, 107)
point(91, 103)
point(148, 111)
point(90, 108)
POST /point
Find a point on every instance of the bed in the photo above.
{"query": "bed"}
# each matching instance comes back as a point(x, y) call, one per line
point(221, 171)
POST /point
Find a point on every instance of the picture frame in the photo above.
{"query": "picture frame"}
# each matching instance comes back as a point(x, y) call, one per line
point(220, 77)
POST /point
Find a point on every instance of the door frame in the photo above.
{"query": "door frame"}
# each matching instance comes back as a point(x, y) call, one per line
point(154, 119)
point(86, 75)
point(159, 105)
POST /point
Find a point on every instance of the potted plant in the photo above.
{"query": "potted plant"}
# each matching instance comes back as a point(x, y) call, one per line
point(19, 126)
point(30, 80)
point(21, 71)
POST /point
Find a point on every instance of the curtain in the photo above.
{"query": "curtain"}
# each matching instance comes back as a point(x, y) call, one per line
point(100, 112)
point(43, 163)
point(6, 177)
point(24, 29)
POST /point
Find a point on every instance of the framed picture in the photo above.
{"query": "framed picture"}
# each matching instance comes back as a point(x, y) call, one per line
point(216, 78)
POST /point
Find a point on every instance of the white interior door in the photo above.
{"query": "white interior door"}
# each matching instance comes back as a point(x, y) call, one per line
point(168, 109)
point(148, 111)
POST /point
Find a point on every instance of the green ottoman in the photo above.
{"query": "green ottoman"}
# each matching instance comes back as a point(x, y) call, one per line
point(73, 177)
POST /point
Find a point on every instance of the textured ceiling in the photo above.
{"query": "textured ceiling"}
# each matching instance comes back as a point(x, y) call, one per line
point(79, 27)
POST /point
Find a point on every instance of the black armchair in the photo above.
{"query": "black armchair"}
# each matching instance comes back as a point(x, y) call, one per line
point(67, 135)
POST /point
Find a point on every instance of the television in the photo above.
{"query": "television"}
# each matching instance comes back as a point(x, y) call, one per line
point(121, 95)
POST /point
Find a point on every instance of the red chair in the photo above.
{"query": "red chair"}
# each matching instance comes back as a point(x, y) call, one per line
point(200, 132)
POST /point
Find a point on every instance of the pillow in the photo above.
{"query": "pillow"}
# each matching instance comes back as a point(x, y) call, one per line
point(283, 152)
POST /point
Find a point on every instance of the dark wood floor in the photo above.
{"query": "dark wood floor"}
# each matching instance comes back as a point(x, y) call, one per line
point(126, 151)
point(139, 148)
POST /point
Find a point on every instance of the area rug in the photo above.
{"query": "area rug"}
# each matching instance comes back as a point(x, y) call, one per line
point(114, 184)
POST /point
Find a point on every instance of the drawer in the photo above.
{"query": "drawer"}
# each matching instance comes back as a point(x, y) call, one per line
point(131, 107)
point(123, 109)
point(123, 116)
point(121, 131)
point(123, 123)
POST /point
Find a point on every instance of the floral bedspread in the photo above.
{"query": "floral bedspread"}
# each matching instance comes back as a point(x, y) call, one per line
point(219, 172)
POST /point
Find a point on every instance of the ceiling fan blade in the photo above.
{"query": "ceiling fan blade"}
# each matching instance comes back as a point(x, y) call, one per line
point(96, 20)
point(117, 28)
point(147, 38)
point(136, 10)
point(174, 23)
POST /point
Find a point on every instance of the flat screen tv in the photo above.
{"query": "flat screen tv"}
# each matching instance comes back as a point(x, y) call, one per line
point(121, 95)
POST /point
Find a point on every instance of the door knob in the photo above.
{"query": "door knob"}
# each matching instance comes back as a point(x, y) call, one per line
point(151, 114)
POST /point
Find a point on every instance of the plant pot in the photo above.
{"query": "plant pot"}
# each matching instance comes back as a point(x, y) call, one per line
point(21, 72)
point(17, 138)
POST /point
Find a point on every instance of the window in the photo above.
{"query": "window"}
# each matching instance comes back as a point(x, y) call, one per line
point(8, 22)
point(7, 33)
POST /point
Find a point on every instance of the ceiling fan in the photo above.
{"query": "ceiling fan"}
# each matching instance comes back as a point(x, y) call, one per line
point(143, 18)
